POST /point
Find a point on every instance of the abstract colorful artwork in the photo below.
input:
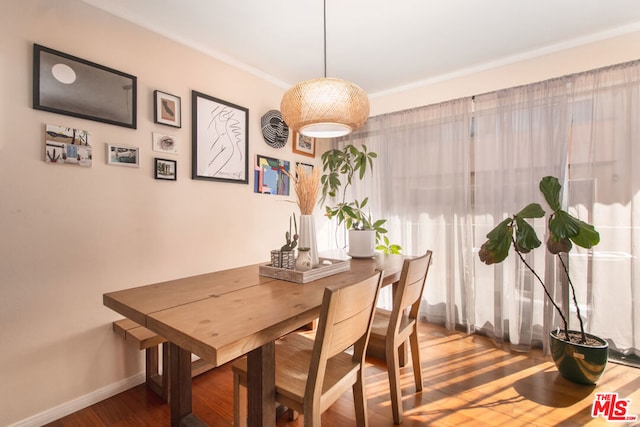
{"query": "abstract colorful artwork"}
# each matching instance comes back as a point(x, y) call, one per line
point(269, 176)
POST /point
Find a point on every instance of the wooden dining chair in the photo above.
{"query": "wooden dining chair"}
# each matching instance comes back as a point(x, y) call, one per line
point(311, 374)
point(391, 329)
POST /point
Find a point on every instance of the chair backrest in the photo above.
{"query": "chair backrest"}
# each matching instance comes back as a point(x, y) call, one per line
point(410, 288)
point(345, 320)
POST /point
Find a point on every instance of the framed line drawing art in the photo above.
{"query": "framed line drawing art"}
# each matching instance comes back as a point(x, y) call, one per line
point(72, 86)
point(304, 145)
point(220, 140)
point(165, 169)
point(123, 155)
point(167, 109)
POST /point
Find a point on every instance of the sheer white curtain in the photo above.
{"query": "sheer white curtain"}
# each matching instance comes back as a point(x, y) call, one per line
point(421, 186)
point(604, 178)
point(584, 129)
point(520, 135)
point(448, 173)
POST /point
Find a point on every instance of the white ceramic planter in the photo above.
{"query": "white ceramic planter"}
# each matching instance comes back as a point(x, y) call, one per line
point(362, 243)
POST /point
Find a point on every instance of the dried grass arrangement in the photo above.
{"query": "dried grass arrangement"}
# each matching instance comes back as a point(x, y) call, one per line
point(306, 186)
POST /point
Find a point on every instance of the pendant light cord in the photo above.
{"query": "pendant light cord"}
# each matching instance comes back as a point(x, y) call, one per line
point(325, 38)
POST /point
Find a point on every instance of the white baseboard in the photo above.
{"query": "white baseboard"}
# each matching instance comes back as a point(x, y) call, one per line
point(81, 402)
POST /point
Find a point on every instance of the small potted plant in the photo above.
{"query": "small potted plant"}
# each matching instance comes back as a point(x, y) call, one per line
point(284, 257)
point(579, 356)
point(340, 167)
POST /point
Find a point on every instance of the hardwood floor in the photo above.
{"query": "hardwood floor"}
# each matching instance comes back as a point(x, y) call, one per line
point(469, 381)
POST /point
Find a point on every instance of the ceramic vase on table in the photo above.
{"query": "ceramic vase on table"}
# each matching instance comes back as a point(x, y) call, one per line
point(308, 237)
point(303, 263)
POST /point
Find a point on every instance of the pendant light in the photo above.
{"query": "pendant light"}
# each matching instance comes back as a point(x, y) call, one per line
point(325, 107)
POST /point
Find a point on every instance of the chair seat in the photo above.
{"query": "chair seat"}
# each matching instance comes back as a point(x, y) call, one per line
point(293, 356)
point(378, 337)
point(381, 321)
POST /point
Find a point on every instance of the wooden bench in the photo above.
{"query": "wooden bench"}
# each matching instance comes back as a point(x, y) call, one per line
point(149, 341)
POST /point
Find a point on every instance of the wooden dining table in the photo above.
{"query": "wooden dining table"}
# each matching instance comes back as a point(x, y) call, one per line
point(223, 315)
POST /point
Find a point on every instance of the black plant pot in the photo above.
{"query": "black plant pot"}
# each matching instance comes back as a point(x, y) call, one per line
point(580, 363)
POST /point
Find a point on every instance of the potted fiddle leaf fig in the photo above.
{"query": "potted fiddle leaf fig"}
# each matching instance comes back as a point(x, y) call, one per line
point(579, 356)
point(340, 168)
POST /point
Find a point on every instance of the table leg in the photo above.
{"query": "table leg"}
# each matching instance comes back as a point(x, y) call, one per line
point(261, 385)
point(179, 384)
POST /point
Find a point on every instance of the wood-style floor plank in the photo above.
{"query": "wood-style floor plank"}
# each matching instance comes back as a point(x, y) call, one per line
point(468, 381)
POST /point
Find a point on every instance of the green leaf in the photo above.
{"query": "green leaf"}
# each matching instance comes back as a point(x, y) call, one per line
point(500, 230)
point(550, 189)
point(500, 247)
point(500, 240)
point(349, 211)
point(587, 236)
point(564, 226)
point(526, 236)
point(532, 210)
point(361, 165)
point(379, 222)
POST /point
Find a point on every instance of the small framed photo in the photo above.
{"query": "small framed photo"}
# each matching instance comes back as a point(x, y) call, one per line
point(304, 145)
point(306, 167)
point(165, 169)
point(163, 143)
point(167, 109)
point(123, 155)
point(65, 145)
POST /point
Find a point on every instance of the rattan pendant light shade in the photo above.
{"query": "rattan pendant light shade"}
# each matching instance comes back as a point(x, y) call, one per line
point(325, 107)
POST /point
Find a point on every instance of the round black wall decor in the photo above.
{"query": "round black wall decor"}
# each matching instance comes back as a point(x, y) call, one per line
point(274, 130)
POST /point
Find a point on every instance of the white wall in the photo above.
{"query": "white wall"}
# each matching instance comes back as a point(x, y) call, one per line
point(555, 61)
point(69, 234)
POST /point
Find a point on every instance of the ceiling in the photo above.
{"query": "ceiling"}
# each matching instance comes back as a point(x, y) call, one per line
point(381, 45)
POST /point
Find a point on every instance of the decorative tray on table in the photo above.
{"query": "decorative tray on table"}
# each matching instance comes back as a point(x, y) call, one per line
point(322, 270)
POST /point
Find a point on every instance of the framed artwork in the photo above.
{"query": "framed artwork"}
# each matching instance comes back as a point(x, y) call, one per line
point(304, 145)
point(269, 177)
point(167, 109)
point(163, 143)
point(165, 169)
point(65, 84)
point(306, 166)
point(123, 155)
point(220, 140)
point(67, 146)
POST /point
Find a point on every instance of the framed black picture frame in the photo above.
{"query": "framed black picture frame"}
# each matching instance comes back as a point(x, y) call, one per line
point(167, 109)
point(308, 168)
point(220, 140)
point(73, 86)
point(165, 169)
